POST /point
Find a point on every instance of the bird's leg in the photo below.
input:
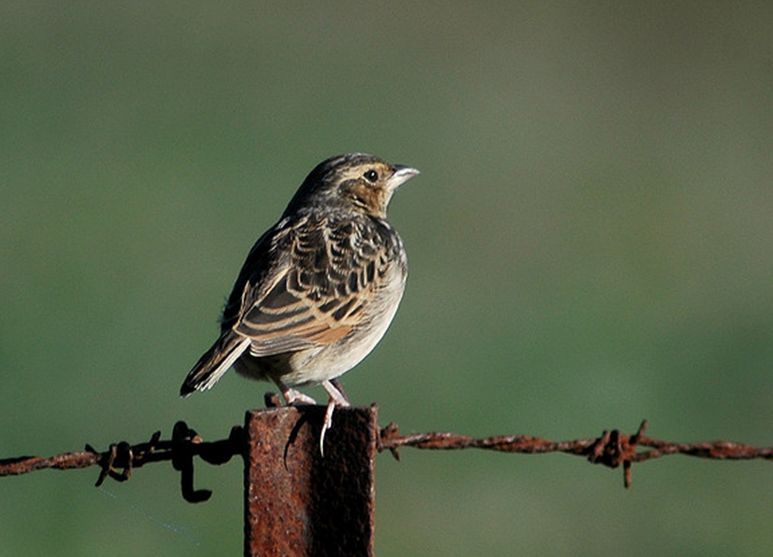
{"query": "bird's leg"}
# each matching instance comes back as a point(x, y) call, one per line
point(336, 392)
point(337, 398)
point(293, 397)
point(339, 387)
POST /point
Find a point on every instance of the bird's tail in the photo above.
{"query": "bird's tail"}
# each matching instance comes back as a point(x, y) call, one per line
point(214, 363)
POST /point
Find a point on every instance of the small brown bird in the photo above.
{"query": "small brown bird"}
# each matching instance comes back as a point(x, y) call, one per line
point(318, 289)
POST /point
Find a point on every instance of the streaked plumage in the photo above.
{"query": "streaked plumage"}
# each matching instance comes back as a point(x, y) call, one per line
point(319, 289)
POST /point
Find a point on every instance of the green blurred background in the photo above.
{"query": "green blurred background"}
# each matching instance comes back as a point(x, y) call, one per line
point(590, 241)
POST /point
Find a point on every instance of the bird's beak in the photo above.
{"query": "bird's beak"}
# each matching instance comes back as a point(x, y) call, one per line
point(401, 175)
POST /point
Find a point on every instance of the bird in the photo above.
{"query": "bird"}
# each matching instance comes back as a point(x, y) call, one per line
point(319, 289)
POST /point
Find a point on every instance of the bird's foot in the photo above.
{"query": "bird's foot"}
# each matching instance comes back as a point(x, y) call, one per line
point(337, 398)
point(296, 398)
point(326, 424)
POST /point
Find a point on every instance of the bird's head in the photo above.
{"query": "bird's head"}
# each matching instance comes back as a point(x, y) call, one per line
point(362, 182)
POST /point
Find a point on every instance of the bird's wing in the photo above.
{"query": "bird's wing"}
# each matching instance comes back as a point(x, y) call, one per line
point(314, 295)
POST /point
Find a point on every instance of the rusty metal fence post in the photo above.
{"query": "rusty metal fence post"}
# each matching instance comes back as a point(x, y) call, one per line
point(299, 503)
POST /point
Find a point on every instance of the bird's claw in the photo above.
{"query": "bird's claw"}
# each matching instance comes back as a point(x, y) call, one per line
point(327, 423)
point(297, 398)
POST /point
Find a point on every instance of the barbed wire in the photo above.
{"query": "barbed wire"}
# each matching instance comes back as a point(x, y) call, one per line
point(612, 449)
point(120, 459)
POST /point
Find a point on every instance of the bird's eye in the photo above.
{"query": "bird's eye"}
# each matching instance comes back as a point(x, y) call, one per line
point(371, 176)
